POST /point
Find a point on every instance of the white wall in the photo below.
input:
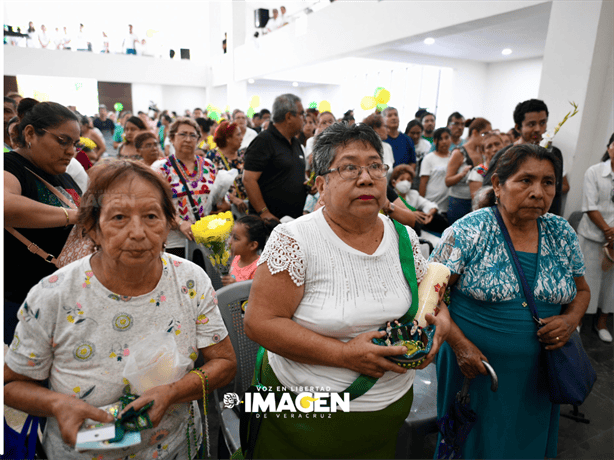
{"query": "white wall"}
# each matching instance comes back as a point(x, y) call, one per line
point(507, 84)
point(180, 98)
point(104, 67)
point(143, 94)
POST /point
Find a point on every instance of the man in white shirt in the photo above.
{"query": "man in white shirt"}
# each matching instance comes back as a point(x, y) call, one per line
point(43, 38)
point(274, 22)
point(238, 116)
point(129, 43)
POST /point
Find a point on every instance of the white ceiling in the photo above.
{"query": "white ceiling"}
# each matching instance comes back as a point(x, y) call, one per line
point(523, 31)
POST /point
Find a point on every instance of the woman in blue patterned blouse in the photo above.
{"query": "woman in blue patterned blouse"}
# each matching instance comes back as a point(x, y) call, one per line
point(491, 323)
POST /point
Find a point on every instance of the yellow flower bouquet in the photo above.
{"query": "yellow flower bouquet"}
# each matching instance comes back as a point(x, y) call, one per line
point(213, 232)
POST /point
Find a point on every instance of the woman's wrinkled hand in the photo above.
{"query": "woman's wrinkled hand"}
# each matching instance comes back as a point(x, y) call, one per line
point(186, 228)
point(71, 413)
point(469, 359)
point(362, 355)
point(239, 203)
point(442, 329)
point(556, 331)
point(160, 395)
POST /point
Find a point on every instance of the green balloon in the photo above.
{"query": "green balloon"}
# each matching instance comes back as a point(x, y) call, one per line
point(313, 105)
point(214, 116)
point(377, 90)
point(118, 107)
point(381, 106)
point(250, 112)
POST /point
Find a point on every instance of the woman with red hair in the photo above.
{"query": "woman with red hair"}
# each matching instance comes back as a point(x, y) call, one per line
point(226, 156)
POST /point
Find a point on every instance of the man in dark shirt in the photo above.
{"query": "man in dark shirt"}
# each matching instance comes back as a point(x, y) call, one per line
point(106, 127)
point(274, 174)
point(402, 146)
point(531, 121)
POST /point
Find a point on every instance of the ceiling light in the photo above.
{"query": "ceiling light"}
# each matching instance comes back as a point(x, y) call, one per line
point(251, 80)
point(295, 84)
point(506, 51)
point(429, 41)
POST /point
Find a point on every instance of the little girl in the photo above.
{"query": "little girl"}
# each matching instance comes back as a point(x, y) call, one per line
point(247, 239)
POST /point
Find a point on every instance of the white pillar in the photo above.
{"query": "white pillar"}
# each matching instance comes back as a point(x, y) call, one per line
point(577, 66)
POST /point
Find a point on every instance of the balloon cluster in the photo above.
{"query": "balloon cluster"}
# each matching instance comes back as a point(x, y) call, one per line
point(380, 99)
point(214, 112)
point(253, 103)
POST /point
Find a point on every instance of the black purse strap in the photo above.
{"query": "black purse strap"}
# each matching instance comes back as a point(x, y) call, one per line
point(185, 186)
point(528, 294)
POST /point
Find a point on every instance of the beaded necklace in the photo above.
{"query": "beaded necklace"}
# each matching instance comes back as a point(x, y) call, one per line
point(198, 169)
point(205, 383)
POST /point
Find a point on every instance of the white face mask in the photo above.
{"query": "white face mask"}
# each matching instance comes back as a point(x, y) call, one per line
point(403, 187)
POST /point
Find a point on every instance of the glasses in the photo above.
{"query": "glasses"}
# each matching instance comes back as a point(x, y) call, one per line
point(457, 123)
point(148, 146)
point(190, 136)
point(64, 141)
point(353, 172)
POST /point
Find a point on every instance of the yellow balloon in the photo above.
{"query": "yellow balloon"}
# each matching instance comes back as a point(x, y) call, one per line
point(383, 96)
point(324, 107)
point(254, 102)
point(367, 103)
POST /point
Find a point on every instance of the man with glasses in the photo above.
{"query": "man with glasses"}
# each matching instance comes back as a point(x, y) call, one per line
point(456, 125)
point(274, 175)
point(238, 116)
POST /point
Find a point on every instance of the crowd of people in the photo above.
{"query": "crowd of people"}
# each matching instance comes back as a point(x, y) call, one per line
point(82, 40)
point(314, 201)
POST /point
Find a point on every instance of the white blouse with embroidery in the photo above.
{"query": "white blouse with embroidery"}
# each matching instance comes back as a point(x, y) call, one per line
point(347, 292)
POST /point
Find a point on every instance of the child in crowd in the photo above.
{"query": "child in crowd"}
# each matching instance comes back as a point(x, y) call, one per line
point(426, 212)
point(247, 240)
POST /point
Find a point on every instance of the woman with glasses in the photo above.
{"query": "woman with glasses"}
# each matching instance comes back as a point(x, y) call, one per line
point(341, 277)
point(191, 177)
point(462, 160)
point(596, 232)
point(147, 147)
point(45, 142)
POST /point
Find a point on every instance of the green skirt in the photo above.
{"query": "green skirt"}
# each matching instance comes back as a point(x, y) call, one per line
point(330, 435)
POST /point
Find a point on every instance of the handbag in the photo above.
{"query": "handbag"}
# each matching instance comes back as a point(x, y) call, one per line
point(570, 374)
point(22, 444)
point(76, 246)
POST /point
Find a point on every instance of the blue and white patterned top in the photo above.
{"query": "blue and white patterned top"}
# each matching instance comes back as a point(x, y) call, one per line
point(474, 247)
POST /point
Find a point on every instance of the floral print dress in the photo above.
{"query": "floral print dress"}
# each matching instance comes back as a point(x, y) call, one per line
point(75, 332)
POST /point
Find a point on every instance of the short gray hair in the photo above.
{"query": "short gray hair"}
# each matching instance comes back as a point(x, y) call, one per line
point(388, 109)
point(286, 103)
point(340, 135)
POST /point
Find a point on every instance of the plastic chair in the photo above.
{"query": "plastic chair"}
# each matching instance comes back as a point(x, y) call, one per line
point(197, 253)
point(422, 418)
point(231, 300)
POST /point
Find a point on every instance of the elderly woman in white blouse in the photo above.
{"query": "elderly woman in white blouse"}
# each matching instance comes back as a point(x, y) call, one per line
point(325, 284)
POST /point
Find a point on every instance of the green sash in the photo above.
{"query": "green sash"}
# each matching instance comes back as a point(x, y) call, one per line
point(364, 382)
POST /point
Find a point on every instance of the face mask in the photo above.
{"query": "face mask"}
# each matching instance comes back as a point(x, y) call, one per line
point(403, 187)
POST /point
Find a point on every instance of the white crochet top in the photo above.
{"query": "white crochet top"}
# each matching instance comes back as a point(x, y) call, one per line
point(347, 292)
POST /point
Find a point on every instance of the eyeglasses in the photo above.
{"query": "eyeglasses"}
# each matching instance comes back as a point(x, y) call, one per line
point(353, 172)
point(191, 136)
point(457, 123)
point(64, 141)
point(149, 146)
